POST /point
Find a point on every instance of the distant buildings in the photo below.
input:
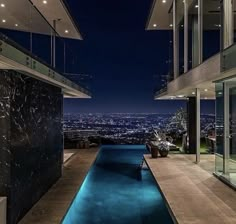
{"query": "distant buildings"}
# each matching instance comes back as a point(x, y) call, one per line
point(124, 128)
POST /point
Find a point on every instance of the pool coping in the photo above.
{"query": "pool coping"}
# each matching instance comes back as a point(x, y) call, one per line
point(159, 188)
point(191, 194)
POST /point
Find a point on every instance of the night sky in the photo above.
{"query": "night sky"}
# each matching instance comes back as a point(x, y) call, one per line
point(125, 61)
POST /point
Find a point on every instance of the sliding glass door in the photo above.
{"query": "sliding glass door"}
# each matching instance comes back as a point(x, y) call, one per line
point(226, 131)
point(230, 154)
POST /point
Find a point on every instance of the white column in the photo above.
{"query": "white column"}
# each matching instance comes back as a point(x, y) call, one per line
point(185, 36)
point(175, 41)
point(226, 130)
point(228, 23)
point(54, 44)
point(198, 125)
point(200, 30)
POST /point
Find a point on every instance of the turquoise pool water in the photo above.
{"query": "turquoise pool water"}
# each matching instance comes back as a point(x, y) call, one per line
point(116, 191)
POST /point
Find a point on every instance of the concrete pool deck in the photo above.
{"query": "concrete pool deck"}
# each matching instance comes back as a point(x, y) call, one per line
point(51, 208)
point(192, 193)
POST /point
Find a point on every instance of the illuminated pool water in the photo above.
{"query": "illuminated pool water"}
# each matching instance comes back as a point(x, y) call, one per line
point(116, 191)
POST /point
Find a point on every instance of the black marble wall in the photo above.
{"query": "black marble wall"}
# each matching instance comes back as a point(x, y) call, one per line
point(31, 140)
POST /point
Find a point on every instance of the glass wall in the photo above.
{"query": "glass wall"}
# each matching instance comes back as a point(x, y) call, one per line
point(225, 164)
point(22, 26)
point(193, 48)
point(180, 25)
point(219, 128)
point(230, 174)
point(211, 28)
point(170, 75)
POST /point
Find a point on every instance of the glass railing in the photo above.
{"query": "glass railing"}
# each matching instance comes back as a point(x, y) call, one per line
point(228, 58)
point(169, 75)
point(23, 27)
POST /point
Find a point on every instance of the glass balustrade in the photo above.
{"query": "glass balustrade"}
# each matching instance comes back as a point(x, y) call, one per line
point(25, 32)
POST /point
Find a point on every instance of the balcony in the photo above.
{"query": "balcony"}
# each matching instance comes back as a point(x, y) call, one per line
point(31, 45)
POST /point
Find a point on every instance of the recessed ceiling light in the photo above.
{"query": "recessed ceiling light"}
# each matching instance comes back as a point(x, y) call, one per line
point(220, 93)
point(3, 20)
point(180, 96)
point(45, 2)
point(205, 98)
point(2, 5)
point(193, 93)
point(16, 24)
point(154, 25)
point(196, 6)
point(171, 25)
point(205, 90)
point(66, 31)
point(163, 1)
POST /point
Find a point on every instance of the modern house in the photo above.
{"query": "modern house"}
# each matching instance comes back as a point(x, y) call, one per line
point(32, 51)
point(202, 67)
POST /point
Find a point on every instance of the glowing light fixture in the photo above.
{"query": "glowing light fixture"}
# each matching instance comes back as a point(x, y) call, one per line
point(154, 25)
point(66, 31)
point(3, 5)
point(45, 2)
point(3, 20)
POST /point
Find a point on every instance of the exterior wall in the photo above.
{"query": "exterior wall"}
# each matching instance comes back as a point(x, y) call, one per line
point(31, 140)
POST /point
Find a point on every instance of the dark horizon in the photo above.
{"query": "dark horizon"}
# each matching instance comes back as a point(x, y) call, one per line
point(125, 60)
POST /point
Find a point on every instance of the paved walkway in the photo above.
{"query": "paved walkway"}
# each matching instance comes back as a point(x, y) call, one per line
point(52, 207)
point(192, 193)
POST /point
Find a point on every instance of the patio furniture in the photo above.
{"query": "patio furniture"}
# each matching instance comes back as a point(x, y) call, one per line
point(152, 147)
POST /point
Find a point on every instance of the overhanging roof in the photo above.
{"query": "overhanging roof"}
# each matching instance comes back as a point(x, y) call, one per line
point(36, 17)
point(159, 17)
point(161, 14)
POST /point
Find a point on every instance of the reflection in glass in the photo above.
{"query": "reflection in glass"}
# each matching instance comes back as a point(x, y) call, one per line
point(211, 28)
point(219, 128)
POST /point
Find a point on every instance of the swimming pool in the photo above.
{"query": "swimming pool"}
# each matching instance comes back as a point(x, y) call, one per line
point(116, 191)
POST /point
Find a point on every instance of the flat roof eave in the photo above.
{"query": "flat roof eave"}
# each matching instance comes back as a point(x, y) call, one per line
point(37, 16)
point(201, 77)
point(160, 17)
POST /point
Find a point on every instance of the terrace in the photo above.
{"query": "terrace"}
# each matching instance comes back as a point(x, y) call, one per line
point(190, 191)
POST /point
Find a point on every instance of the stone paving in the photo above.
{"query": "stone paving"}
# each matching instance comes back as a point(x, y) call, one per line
point(192, 193)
